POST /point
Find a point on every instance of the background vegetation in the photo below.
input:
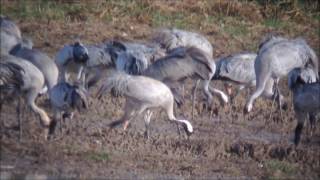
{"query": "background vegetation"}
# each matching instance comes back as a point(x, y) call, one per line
point(240, 22)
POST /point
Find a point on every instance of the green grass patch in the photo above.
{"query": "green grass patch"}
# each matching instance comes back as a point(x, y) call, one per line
point(44, 10)
point(98, 156)
point(274, 23)
point(236, 30)
point(177, 19)
point(280, 169)
point(316, 17)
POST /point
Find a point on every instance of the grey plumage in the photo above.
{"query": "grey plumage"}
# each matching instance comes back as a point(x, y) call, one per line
point(238, 68)
point(277, 60)
point(9, 26)
point(23, 79)
point(11, 79)
point(98, 56)
point(11, 35)
point(270, 40)
point(181, 63)
point(98, 60)
point(66, 98)
point(131, 62)
point(303, 75)
point(42, 61)
point(173, 38)
point(133, 57)
point(306, 98)
point(80, 53)
point(7, 41)
point(149, 51)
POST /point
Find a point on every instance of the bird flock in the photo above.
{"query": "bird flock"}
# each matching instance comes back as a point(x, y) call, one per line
point(150, 75)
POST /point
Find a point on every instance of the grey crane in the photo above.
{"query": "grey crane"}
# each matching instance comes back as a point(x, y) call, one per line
point(133, 57)
point(66, 98)
point(42, 61)
point(71, 55)
point(21, 78)
point(10, 35)
point(238, 69)
point(8, 41)
point(150, 51)
point(10, 26)
point(277, 60)
point(306, 97)
point(181, 63)
point(130, 57)
point(86, 58)
point(269, 40)
point(142, 93)
point(305, 75)
point(170, 38)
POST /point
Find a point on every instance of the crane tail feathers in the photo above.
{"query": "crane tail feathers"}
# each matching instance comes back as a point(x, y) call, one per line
point(11, 76)
point(118, 83)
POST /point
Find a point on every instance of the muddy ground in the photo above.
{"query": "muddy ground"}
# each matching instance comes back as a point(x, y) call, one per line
point(226, 143)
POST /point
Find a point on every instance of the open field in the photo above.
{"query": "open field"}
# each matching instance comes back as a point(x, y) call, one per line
point(228, 145)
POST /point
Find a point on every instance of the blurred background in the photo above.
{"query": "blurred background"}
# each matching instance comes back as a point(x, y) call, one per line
point(243, 21)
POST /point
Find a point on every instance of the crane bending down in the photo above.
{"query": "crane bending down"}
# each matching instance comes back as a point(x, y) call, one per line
point(133, 57)
point(277, 60)
point(142, 93)
point(181, 63)
point(20, 77)
point(8, 25)
point(172, 38)
point(10, 35)
point(65, 98)
point(42, 61)
point(306, 96)
point(85, 58)
point(237, 68)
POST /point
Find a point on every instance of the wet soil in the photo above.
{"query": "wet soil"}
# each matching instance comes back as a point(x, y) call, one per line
point(226, 145)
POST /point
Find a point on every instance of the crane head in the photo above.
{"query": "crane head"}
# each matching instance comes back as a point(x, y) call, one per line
point(79, 98)
point(80, 53)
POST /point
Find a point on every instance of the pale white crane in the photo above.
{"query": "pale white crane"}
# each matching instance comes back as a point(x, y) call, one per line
point(142, 93)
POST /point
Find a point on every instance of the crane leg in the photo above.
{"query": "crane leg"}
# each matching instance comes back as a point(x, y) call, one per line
point(128, 119)
point(178, 129)
point(279, 101)
point(312, 119)
point(2, 121)
point(206, 91)
point(147, 117)
point(274, 96)
point(129, 112)
point(273, 100)
point(18, 110)
point(194, 97)
point(60, 126)
point(183, 91)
